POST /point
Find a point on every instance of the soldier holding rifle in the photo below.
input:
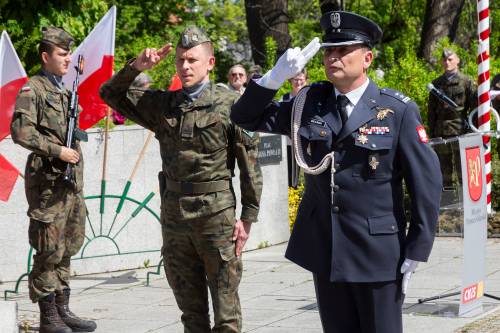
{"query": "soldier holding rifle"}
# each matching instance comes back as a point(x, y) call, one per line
point(446, 121)
point(56, 206)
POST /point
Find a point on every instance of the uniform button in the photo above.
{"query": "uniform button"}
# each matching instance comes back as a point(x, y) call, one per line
point(336, 188)
point(335, 209)
point(336, 165)
point(393, 227)
point(374, 145)
point(322, 133)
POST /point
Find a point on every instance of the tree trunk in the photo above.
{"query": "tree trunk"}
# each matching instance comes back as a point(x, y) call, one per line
point(330, 5)
point(441, 20)
point(267, 18)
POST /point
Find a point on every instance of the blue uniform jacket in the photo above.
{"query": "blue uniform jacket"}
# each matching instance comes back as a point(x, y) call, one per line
point(363, 236)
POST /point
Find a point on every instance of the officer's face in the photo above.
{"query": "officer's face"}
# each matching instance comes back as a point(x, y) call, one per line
point(194, 64)
point(237, 77)
point(346, 66)
point(57, 62)
point(450, 64)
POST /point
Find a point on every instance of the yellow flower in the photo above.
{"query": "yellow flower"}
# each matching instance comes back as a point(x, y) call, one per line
point(294, 198)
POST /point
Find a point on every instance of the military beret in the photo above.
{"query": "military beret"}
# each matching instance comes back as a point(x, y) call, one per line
point(447, 53)
point(192, 36)
point(58, 37)
point(346, 28)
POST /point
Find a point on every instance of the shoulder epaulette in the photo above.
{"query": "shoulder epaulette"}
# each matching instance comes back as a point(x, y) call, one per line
point(395, 94)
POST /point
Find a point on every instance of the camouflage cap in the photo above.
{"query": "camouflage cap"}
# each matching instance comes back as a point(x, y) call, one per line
point(192, 36)
point(58, 37)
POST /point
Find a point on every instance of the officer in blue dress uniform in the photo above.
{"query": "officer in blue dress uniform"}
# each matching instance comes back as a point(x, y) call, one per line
point(351, 231)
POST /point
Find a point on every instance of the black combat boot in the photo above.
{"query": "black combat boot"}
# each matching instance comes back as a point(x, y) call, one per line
point(73, 321)
point(50, 321)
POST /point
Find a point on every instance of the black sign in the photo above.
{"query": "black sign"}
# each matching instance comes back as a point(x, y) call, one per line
point(270, 150)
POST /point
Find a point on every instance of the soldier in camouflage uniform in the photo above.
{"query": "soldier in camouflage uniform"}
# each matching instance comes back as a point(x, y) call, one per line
point(56, 207)
point(495, 85)
point(202, 240)
point(445, 121)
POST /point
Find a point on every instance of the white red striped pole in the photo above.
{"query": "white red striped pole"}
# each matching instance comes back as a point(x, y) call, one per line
point(483, 90)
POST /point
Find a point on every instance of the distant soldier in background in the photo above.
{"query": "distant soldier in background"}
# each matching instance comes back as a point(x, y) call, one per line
point(56, 207)
point(495, 88)
point(446, 122)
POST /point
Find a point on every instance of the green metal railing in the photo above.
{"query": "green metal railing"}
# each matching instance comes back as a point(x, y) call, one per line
point(94, 232)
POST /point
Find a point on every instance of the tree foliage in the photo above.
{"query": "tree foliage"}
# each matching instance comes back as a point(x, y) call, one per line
point(148, 23)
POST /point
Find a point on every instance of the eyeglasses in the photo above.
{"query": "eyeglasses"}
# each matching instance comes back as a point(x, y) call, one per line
point(237, 74)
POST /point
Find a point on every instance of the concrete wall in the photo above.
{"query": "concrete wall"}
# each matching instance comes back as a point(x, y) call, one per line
point(143, 233)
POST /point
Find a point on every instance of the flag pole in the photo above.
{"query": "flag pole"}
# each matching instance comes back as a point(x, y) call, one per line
point(104, 164)
point(129, 181)
point(483, 90)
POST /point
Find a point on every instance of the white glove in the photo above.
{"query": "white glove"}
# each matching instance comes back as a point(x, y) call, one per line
point(288, 65)
point(407, 268)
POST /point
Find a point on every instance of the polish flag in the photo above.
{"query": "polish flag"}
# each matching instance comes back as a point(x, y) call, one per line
point(8, 178)
point(176, 83)
point(12, 78)
point(98, 50)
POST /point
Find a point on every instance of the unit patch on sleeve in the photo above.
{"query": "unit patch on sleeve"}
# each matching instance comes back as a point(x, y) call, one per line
point(422, 134)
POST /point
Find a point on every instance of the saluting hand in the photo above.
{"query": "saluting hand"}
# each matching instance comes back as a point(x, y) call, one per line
point(289, 65)
point(150, 57)
point(240, 235)
point(69, 155)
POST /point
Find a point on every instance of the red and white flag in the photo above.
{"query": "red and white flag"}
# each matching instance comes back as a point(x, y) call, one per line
point(12, 78)
point(176, 83)
point(98, 50)
point(8, 178)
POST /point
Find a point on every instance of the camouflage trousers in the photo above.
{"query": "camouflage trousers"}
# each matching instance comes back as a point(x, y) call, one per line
point(198, 253)
point(449, 158)
point(55, 243)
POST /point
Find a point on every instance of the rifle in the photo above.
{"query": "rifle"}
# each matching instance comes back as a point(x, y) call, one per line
point(73, 131)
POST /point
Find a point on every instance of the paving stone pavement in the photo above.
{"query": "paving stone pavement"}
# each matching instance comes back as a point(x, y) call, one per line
point(276, 295)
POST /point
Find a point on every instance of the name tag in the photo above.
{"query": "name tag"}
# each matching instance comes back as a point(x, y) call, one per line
point(317, 122)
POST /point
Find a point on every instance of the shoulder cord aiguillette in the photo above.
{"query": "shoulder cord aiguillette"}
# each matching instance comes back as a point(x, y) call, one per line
point(298, 152)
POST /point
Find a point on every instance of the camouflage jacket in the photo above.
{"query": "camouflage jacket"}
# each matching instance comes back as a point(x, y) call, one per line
point(198, 145)
point(40, 124)
point(443, 120)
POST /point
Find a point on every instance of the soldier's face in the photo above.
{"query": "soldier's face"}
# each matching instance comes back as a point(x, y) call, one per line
point(57, 62)
point(193, 65)
point(346, 66)
point(450, 64)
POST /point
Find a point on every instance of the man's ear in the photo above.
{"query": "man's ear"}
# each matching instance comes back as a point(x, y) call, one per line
point(367, 60)
point(45, 57)
point(211, 63)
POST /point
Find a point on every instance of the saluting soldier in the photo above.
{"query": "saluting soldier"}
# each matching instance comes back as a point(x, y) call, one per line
point(445, 121)
point(56, 207)
point(357, 143)
point(202, 240)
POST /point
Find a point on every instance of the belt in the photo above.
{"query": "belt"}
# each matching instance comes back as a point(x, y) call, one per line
point(197, 188)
